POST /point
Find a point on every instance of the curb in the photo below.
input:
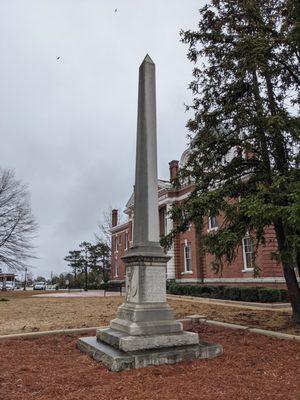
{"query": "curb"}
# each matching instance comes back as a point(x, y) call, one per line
point(187, 323)
point(30, 335)
point(279, 335)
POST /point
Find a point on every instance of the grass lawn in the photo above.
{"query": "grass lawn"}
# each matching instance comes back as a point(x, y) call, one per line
point(25, 313)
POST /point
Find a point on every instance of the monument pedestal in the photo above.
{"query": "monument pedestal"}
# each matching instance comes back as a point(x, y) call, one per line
point(145, 311)
point(145, 332)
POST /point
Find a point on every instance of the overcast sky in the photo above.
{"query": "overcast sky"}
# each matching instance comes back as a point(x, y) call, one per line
point(68, 126)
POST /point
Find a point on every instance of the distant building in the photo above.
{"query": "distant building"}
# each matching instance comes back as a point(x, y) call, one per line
point(188, 263)
point(7, 279)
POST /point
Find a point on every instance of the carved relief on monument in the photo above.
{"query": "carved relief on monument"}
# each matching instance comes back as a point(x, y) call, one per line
point(131, 283)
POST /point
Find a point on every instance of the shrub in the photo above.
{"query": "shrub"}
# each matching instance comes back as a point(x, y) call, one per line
point(104, 286)
point(214, 292)
point(174, 288)
point(226, 292)
point(169, 283)
point(4, 299)
point(190, 290)
point(249, 294)
point(234, 293)
point(196, 290)
point(94, 286)
point(268, 295)
point(219, 293)
point(208, 289)
point(284, 295)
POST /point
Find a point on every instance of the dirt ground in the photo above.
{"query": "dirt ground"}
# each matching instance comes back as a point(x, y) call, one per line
point(24, 313)
point(252, 367)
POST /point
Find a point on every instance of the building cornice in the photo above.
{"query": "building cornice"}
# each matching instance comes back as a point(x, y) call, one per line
point(120, 228)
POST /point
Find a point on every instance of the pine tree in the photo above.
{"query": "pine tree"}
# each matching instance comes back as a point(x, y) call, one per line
point(99, 259)
point(86, 259)
point(245, 130)
point(75, 261)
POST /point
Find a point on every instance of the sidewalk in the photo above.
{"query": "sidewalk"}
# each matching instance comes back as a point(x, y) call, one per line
point(72, 294)
point(232, 303)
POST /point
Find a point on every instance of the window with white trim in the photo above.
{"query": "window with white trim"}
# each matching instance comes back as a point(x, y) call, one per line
point(187, 254)
point(248, 252)
point(165, 222)
point(116, 244)
point(126, 241)
point(212, 222)
point(116, 269)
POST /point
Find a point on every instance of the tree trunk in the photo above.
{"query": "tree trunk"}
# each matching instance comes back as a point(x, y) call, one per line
point(86, 279)
point(289, 273)
point(293, 290)
point(75, 276)
point(298, 262)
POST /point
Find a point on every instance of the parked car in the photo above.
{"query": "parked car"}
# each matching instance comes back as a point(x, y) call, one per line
point(8, 286)
point(39, 286)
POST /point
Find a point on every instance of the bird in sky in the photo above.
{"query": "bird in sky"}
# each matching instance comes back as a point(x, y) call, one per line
point(58, 58)
point(116, 9)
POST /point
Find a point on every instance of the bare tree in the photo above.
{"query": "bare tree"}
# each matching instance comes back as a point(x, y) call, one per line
point(17, 224)
point(104, 234)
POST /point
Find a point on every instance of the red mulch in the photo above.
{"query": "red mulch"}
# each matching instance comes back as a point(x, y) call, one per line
point(252, 367)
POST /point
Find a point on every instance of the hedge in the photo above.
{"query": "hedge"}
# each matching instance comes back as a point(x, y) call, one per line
point(232, 293)
point(284, 296)
point(267, 295)
point(104, 286)
point(249, 293)
point(243, 293)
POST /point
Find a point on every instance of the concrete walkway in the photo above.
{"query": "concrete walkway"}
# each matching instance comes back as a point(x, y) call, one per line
point(89, 293)
point(232, 303)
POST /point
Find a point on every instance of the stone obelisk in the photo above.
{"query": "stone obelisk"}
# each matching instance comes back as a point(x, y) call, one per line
point(145, 331)
point(146, 227)
point(145, 310)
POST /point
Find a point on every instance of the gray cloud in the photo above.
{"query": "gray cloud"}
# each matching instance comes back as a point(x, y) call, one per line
point(68, 126)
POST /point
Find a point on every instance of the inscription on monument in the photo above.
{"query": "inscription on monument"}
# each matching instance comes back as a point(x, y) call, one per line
point(154, 284)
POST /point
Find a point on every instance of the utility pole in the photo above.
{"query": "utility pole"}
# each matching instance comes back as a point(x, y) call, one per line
point(25, 278)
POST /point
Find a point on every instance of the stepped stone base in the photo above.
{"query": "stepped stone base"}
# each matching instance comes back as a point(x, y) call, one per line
point(124, 342)
point(118, 351)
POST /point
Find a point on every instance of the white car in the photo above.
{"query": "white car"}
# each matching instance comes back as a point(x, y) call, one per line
point(8, 286)
point(39, 286)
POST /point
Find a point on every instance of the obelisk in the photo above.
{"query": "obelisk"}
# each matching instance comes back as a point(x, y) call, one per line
point(145, 331)
point(145, 310)
point(146, 222)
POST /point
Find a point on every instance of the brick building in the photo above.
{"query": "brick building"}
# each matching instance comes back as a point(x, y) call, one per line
point(188, 264)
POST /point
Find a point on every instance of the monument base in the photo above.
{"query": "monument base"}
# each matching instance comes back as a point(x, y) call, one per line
point(119, 351)
point(129, 343)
